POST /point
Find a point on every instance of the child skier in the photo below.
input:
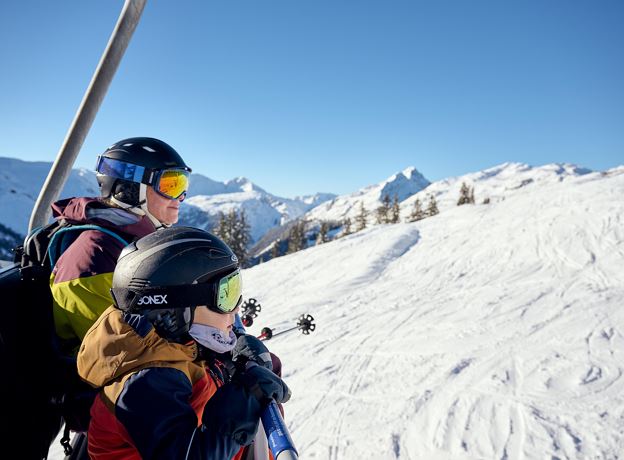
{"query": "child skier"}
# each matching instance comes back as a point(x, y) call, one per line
point(176, 382)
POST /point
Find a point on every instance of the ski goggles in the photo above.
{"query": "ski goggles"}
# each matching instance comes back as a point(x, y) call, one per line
point(222, 296)
point(171, 183)
point(229, 292)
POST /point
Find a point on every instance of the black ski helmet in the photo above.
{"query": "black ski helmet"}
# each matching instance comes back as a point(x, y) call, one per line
point(152, 154)
point(166, 274)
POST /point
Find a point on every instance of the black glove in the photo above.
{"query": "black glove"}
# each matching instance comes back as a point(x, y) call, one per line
point(76, 408)
point(234, 410)
point(233, 413)
point(249, 348)
point(265, 385)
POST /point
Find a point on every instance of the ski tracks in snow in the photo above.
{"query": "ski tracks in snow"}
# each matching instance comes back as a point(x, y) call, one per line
point(475, 411)
point(459, 337)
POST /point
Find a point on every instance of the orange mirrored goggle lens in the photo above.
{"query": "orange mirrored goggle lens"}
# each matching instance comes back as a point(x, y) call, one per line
point(173, 183)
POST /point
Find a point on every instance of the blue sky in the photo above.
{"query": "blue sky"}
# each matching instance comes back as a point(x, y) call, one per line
point(310, 96)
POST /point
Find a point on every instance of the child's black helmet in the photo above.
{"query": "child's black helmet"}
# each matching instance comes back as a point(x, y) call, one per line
point(166, 274)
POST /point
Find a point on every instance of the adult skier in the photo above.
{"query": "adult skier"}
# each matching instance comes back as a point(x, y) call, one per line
point(176, 381)
point(142, 182)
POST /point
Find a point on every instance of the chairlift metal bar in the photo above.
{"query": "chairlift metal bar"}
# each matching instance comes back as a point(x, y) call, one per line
point(59, 173)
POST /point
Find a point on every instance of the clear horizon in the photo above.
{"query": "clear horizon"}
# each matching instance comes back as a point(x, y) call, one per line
point(325, 97)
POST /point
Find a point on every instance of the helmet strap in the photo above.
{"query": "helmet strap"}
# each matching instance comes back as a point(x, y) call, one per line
point(128, 207)
point(140, 209)
point(143, 207)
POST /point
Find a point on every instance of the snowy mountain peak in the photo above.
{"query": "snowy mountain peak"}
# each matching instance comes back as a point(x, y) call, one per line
point(202, 185)
point(410, 171)
point(403, 184)
point(242, 184)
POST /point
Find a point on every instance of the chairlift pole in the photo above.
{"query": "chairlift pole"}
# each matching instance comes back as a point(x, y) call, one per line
point(109, 62)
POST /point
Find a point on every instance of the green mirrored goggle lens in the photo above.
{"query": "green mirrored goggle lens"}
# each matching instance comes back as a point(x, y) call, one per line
point(230, 292)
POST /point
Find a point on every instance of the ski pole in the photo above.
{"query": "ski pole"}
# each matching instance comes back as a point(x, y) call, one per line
point(272, 423)
point(267, 333)
point(304, 324)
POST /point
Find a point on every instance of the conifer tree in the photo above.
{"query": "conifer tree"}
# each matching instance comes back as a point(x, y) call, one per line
point(234, 230)
point(221, 230)
point(346, 224)
point(230, 220)
point(296, 237)
point(432, 209)
point(417, 212)
point(322, 236)
point(240, 236)
point(360, 219)
point(275, 249)
point(471, 197)
point(395, 215)
point(302, 231)
point(464, 195)
point(382, 212)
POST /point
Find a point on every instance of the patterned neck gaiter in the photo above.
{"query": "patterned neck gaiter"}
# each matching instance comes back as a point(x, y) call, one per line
point(213, 338)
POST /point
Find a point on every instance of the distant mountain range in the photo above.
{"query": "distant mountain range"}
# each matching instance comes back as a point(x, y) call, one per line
point(264, 210)
point(490, 185)
point(270, 216)
point(21, 182)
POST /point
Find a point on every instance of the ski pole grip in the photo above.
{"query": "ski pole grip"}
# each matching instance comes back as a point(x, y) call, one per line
point(280, 443)
point(279, 439)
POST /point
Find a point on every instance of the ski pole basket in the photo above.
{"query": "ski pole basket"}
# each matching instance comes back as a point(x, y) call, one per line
point(249, 310)
point(305, 324)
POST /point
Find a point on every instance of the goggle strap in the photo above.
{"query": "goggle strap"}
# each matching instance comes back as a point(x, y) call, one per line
point(142, 174)
point(165, 296)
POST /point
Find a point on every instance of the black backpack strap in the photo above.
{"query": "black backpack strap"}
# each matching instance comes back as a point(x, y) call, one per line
point(35, 248)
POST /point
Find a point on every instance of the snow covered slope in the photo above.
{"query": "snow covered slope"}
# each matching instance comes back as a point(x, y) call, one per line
point(486, 332)
point(494, 184)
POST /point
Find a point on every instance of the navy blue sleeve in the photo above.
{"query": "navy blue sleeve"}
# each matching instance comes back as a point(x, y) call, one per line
point(154, 408)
